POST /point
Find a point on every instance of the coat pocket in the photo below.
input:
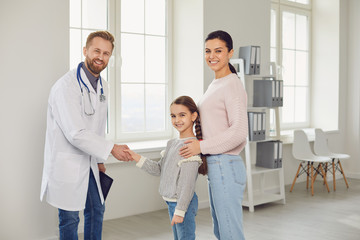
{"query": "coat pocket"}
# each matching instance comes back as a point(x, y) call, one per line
point(67, 167)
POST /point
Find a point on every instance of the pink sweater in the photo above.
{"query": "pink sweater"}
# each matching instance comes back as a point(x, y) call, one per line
point(223, 115)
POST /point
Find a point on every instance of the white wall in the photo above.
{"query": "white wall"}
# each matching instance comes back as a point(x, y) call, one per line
point(353, 98)
point(33, 43)
point(188, 58)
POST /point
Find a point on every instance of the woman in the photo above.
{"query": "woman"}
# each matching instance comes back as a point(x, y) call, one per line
point(224, 125)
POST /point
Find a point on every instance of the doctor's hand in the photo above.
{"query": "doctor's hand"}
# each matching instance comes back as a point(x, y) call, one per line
point(101, 167)
point(191, 148)
point(119, 154)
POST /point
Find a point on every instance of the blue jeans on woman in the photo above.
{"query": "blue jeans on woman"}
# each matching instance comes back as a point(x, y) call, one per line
point(226, 182)
point(186, 229)
point(93, 215)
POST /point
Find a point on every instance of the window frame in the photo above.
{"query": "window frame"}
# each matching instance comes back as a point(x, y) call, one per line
point(279, 7)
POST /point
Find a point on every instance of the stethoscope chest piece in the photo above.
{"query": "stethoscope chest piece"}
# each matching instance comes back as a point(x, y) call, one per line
point(102, 98)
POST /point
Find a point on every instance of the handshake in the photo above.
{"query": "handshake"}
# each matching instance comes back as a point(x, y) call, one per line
point(119, 153)
point(123, 153)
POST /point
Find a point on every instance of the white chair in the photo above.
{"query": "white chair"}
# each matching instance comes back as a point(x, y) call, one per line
point(321, 148)
point(301, 150)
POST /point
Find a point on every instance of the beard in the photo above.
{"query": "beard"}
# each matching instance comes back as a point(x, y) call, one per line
point(93, 67)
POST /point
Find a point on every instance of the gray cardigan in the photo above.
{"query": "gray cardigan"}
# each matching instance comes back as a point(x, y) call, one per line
point(177, 175)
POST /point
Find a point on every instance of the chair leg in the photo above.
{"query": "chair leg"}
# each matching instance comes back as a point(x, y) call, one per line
point(333, 165)
point(296, 176)
point(342, 171)
point(316, 173)
point(312, 179)
point(323, 173)
point(307, 177)
point(326, 168)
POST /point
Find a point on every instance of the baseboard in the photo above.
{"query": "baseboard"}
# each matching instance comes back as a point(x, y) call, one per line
point(81, 227)
point(204, 204)
point(55, 236)
point(352, 175)
point(52, 238)
point(272, 189)
point(329, 177)
point(339, 176)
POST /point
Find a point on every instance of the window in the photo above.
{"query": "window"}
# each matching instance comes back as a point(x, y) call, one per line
point(82, 24)
point(300, 1)
point(290, 49)
point(138, 72)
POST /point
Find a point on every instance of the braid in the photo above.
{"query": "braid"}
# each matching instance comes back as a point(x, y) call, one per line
point(203, 167)
point(198, 131)
point(232, 68)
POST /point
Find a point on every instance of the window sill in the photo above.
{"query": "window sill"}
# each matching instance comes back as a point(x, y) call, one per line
point(149, 149)
point(287, 136)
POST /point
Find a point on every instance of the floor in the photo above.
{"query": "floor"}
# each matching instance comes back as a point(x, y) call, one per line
point(325, 216)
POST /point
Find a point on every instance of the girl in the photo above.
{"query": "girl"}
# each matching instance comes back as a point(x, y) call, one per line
point(177, 174)
point(224, 125)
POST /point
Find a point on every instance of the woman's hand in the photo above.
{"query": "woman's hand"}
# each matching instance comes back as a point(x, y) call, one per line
point(191, 148)
point(176, 219)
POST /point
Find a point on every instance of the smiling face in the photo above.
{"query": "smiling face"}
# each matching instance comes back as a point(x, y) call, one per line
point(97, 55)
point(217, 57)
point(183, 120)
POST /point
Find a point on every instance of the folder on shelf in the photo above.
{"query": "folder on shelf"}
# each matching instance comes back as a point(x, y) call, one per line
point(279, 162)
point(262, 96)
point(251, 125)
point(257, 61)
point(255, 122)
point(259, 123)
point(265, 155)
point(269, 154)
point(263, 126)
point(273, 96)
point(256, 126)
point(276, 155)
point(281, 82)
point(248, 53)
point(268, 93)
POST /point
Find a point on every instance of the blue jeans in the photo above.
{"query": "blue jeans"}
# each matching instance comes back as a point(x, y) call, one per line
point(93, 215)
point(226, 182)
point(186, 229)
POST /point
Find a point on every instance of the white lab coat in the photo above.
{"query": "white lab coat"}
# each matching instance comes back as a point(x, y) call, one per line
point(74, 142)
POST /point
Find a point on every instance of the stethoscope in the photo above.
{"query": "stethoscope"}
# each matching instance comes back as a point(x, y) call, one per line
point(102, 96)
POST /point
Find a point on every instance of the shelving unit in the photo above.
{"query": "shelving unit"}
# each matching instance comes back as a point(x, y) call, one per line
point(252, 198)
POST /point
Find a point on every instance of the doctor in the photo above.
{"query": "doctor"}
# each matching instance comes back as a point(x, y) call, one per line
point(75, 145)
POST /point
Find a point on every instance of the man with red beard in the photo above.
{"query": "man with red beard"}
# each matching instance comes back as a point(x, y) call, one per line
point(75, 145)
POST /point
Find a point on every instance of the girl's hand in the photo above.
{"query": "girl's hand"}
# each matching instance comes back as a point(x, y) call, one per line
point(192, 148)
point(133, 154)
point(176, 219)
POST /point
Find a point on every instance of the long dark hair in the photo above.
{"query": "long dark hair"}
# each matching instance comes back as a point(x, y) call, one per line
point(191, 105)
point(223, 36)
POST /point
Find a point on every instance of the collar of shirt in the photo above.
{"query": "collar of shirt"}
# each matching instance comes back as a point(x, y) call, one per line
point(92, 79)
